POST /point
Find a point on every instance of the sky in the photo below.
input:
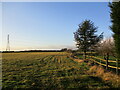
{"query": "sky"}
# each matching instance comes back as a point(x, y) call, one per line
point(50, 25)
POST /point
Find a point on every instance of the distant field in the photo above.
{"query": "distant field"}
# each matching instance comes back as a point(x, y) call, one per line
point(46, 70)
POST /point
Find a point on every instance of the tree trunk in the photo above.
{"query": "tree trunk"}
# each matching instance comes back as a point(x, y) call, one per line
point(117, 66)
point(107, 58)
point(84, 54)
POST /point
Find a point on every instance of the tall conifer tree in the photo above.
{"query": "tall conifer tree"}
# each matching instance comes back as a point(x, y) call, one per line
point(85, 36)
point(115, 19)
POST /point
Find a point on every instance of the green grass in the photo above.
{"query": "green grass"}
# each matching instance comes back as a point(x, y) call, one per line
point(110, 57)
point(80, 56)
point(46, 70)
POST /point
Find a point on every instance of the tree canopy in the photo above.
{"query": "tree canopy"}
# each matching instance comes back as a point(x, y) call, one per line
point(85, 36)
point(115, 19)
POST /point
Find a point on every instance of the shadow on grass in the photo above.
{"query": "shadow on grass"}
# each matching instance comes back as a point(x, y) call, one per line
point(83, 81)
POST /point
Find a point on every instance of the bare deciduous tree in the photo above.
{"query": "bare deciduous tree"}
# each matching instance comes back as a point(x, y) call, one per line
point(106, 48)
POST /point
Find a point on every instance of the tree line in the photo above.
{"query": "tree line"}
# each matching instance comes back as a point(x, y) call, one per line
point(87, 40)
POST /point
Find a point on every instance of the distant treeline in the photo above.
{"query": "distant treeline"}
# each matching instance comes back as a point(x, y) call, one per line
point(61, 50)
point(33, 51)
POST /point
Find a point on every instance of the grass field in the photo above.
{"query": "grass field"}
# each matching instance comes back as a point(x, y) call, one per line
point(47, 70)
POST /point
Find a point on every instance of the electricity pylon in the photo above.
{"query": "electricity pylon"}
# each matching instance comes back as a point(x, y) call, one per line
point(8, 44)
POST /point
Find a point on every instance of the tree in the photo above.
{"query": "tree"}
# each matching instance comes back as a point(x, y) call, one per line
point(85, 36)
point(115, 19)
point(106, 48)
point(64, 49)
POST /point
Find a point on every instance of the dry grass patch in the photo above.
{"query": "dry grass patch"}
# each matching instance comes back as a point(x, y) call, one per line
point(108, 77)
point(78, 60)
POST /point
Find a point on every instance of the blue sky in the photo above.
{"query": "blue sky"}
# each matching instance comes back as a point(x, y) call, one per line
point(49, 25)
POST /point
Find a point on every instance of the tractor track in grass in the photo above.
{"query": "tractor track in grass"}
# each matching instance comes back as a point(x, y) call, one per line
point(48, 71)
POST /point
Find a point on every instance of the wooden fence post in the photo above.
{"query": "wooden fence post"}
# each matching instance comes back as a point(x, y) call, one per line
point(100, 62)
point(107, 63)
point(117, 66)
point(107, 57)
